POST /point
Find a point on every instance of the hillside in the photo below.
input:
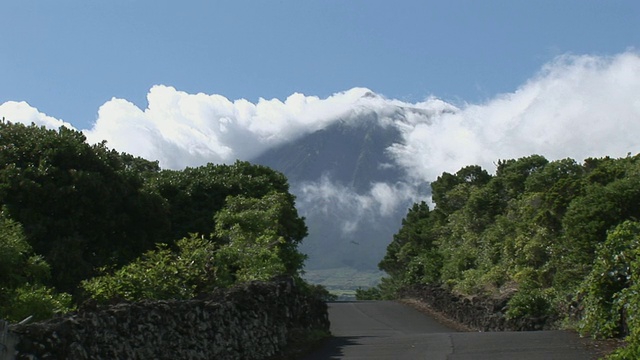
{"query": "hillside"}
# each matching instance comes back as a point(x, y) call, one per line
point(332, 169)
point(350, 190)
point(351, 152)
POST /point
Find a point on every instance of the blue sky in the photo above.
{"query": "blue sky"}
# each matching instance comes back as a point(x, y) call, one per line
point(67, 58)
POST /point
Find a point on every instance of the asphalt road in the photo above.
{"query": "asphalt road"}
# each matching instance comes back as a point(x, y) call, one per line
point(390, 330)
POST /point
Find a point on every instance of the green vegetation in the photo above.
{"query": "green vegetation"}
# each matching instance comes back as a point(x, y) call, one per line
point(82, 221)
point(160, 274)
point(22, 289)
point(560, 236)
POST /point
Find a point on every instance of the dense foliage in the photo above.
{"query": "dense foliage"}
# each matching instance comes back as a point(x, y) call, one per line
point(89, 221)
point(559, 236)
point(22, 289)
point(81, 206)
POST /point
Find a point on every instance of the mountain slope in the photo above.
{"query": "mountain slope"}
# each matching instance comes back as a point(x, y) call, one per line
point(332, 172)
point(351, 152)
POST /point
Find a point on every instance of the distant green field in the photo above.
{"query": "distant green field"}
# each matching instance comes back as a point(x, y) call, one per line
point(344, 281)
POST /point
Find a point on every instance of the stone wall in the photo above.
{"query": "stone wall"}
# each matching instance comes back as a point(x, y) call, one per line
point(253, 321)
point(480, 313)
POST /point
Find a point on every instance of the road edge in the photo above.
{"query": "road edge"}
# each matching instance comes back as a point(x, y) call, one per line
point(600, 348)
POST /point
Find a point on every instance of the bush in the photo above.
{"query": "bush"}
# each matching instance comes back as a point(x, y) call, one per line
point(23, 273)
point(612, 286)
point(612, 290)
point(629, 352)
point(387, 289)
point(160, 274)
point(530, 303)
point(368, 294)
point(316, 291)
point(38, 301)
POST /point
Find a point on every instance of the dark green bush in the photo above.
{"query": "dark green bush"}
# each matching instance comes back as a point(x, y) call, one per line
point(530, 303)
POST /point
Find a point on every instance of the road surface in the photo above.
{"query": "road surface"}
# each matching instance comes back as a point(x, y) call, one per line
point(393, 331)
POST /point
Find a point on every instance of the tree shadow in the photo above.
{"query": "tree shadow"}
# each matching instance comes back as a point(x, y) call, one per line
point(332, 349)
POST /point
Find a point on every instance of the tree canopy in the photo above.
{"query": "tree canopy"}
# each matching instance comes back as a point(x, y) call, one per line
point(100, 223)
point(555, 233)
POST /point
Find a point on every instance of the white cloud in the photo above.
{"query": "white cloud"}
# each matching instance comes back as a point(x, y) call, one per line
point(326, 198)
point(21, 112)
point(577, 106)
point(181, 129)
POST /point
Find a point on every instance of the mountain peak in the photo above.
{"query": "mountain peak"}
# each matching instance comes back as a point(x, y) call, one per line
point(350, 151)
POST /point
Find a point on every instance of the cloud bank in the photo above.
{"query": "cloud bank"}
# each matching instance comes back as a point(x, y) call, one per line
point(576, 106)
point(22, 112)
point(327, 199)
point(181, 129)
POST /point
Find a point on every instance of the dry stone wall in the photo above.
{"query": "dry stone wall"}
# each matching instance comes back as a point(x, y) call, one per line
point(481, 313)
point(253, 321)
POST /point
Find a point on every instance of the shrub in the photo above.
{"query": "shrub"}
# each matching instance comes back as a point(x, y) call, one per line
point(22, 275)
point(38, 301)
point(160, 274)
point(372, 293)
point(530, 303)
point(317, 291)
point(611, 287)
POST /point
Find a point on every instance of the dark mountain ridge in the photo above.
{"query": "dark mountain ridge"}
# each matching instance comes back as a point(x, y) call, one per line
point(351, 154)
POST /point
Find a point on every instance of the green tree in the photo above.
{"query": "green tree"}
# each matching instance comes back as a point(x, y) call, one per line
point(22, 293)
point(81, 206)
point(195, 195)
point(513, 174)
point(86, 207)
point(587, 220)
point(254, 240)
point(412, 256)
point(538, 230)
point(612, 289)
point(260, 237)
point(450, 192)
